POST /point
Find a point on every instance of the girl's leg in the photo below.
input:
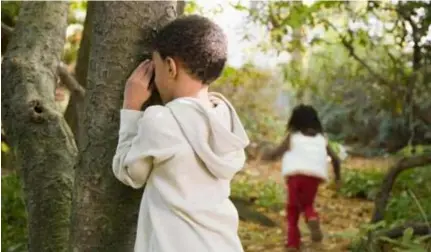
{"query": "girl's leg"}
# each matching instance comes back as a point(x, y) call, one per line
point(293, 212)
point(309, 191)
point(310, 186)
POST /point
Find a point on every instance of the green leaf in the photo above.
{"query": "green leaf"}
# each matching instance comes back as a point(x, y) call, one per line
point(408, 234)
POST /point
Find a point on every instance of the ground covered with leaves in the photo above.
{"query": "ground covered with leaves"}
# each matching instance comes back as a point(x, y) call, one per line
point(342, 213)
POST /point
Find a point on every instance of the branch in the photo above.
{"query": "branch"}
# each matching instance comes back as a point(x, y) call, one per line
point(6, 30)
point(422, 114)
point(69, 81)
point(386, 187)
point(181, 5)
point(396, 232)
point(348, 45)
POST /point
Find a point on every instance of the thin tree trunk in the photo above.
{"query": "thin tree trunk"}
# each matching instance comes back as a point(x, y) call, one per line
point(41, 138)
point(105, 213)
point(72, 113)
point(181, 5)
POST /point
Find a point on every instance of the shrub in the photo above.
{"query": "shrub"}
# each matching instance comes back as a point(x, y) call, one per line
point(13, 215)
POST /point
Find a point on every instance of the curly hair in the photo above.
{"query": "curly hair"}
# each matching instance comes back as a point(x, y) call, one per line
point(305, 120)
point(197, 42)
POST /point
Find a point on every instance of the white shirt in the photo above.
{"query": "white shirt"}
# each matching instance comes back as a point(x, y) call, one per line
point(307, 156)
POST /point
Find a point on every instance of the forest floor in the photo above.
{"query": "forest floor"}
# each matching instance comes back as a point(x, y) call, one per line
point(340, 216)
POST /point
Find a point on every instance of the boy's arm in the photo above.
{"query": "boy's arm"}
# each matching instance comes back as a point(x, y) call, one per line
point(279, 151)
point(335, 162)
point(129, 133)
point(141, 140)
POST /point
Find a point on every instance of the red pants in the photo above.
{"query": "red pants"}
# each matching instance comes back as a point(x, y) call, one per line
point(301, 194)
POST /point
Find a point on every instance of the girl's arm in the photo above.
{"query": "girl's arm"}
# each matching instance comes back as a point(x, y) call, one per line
point(335, 162)
point(279, 151)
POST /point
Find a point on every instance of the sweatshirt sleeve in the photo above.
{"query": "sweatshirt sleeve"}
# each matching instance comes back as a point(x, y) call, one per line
point(143, 140)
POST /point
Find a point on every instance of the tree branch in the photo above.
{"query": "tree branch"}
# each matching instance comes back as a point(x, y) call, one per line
point(74, 109)
point(181, 5)
point(422, 114)
point(386, 186)
point(396, 232)
point(68, 80)
point(348, 45)
point(6, 30)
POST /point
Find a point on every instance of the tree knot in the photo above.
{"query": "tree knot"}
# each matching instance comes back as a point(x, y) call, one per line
point(36, 110)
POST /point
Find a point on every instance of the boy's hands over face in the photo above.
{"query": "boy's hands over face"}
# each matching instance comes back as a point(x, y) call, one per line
point(136, 91)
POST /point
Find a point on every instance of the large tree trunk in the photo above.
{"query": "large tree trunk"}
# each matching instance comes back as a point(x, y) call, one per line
point(41, 139)
point(105, 213)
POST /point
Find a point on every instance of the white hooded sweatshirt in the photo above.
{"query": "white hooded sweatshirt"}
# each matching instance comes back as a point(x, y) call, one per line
point(186, 153)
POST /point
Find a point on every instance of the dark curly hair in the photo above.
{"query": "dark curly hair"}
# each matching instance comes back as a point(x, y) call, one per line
point(197, 42)
point(305, 120)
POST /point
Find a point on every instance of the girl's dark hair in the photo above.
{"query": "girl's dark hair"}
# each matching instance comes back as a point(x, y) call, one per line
point(305, 120)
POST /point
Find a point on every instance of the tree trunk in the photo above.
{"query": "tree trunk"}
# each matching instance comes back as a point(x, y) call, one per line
point(181, 5)
point(41, 138)
point(105, 212)
point(72, 113)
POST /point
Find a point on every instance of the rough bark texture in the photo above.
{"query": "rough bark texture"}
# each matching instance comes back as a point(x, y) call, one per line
point(383, 196)
point(41, 139)
point(105, 213)
point(74, 110)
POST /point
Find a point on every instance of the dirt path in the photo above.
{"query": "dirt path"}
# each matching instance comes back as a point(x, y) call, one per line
point(339, 215)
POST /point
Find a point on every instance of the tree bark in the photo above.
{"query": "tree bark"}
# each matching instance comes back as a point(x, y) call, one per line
point(74, 109)
point(105, 212)
point(383, 196)
point(41, 138)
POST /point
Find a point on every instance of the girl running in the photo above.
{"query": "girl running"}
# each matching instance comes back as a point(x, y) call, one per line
point(304, 167)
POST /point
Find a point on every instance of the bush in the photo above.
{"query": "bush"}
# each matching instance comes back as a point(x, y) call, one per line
point(410, 194)
point(266, 194)
point(361, 184)
point(13, 215)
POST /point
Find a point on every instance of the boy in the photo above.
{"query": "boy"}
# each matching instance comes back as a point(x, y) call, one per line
point(187, 151)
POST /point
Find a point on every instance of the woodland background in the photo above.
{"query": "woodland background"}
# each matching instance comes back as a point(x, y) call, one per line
point(364, 65)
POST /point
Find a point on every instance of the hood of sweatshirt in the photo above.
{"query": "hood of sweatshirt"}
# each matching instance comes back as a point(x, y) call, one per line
point(214, 131)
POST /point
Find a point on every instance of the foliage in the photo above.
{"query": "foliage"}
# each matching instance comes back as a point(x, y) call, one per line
point(406, 243)
point(76, 17)
point(409, 194)
point(13, 215)
point(409, 243)
point(358, 85)
point(267, 194)
point(9, 12)
point(358, 184)
point(253, 93)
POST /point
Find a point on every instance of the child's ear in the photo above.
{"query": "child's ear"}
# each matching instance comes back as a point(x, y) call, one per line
point(172, 67)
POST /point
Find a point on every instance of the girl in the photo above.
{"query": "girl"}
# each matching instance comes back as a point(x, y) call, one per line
point(304, 166)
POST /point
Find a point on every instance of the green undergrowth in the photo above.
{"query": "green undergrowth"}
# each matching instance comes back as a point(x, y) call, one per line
point(410, 200)
point(411, 191)
point(13, 215)
point(267, 194)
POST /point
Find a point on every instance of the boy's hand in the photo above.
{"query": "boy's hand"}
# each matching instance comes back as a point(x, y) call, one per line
point(136, 91)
